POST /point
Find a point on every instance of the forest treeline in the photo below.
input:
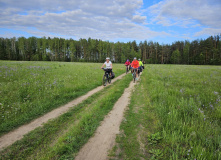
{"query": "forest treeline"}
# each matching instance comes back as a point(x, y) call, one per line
point(207, 51)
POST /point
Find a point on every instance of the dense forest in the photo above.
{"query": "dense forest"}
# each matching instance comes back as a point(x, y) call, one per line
point(207, 51)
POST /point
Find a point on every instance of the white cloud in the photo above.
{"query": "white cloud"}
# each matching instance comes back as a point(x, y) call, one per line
point(208, 32)
point(99, 19)
point(139, 19)
point(189, 12)
point(196, 25)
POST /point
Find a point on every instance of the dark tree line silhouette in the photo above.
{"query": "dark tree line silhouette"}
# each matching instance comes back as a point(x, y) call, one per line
point(204, 52)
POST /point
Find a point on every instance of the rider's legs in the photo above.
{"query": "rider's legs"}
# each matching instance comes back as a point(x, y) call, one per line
point(110, 72)
point(140, 68)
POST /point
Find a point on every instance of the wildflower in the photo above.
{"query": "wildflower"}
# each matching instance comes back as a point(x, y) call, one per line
point(215, 92)
point(201, 111)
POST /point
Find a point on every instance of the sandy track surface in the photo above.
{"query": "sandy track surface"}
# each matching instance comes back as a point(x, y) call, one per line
point(18, 133)
point(104, 139)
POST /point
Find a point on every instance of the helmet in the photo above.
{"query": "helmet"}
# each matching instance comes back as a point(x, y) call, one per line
point(127, 59)
point(135, 58)
point(108, 58)
point(139, 59)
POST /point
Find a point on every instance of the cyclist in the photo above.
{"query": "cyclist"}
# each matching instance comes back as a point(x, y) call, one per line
point(140, 65)
point(135, 65)
point(108, 64)
point(127, 64)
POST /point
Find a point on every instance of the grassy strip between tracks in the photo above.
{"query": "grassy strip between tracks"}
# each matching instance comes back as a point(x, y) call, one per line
point(175, 115)
point(62, 137)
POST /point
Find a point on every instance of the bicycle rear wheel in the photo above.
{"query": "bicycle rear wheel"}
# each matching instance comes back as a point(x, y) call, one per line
point(127, 70)
point(104, 80)
point(109, 80)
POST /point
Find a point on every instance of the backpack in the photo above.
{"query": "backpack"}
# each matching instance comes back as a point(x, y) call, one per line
point(112, 75)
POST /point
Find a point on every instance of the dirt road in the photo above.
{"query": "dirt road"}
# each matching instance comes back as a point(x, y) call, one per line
point(18, 133)
point(104, 138)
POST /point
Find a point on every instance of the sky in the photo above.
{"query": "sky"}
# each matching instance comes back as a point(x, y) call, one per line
point(163, 21)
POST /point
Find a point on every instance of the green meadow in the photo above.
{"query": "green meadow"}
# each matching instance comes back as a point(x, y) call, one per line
point(175, 113)
point(175, 110)
point(30, 89)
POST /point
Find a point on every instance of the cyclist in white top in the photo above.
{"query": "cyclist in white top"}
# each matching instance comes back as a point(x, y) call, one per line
point(108, 65)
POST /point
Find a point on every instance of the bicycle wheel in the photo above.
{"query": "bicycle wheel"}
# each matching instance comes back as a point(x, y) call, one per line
point(109, 80)
point(104, 80)
point(134, 76)
point(126, 70)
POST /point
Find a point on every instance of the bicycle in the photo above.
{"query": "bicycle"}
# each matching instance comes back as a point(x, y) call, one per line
point(134, 74)
point(139, 70)
point(106, 76)
point(127, 70)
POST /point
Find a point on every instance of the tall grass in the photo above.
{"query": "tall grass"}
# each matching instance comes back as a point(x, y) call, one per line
point(187, 102)
point(183, 103)
point(30, 89)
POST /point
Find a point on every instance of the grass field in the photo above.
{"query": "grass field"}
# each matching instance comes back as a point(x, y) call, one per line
point(30, 89)
point(175, 115)
point(175, 111)
point(61, 138)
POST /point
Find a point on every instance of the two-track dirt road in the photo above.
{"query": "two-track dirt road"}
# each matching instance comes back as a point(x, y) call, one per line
point(18, 133)
point(104, 139)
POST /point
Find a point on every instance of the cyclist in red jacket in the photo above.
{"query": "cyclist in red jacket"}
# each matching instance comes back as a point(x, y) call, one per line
point(135, 65)
point(127, 64)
